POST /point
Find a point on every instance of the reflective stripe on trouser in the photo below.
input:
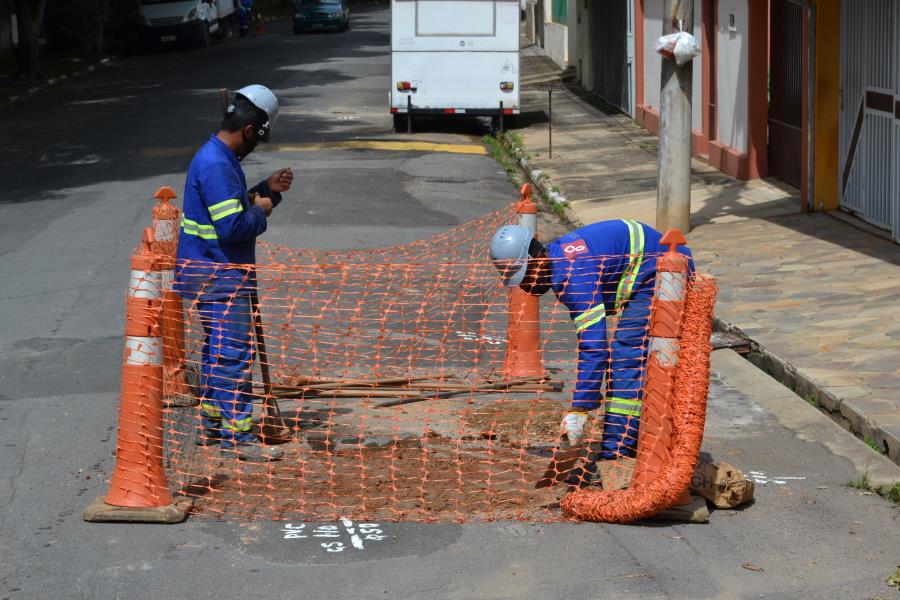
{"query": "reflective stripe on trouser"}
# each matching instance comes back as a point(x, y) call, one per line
point(628, 359)
point(225, 374)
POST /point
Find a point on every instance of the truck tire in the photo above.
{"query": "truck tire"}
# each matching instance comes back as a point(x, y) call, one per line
point(400, 123)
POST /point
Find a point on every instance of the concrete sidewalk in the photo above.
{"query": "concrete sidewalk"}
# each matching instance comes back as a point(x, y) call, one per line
point(816, 295)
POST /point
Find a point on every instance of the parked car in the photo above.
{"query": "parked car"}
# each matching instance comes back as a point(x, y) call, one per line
point(170, 21)
point(311, 15)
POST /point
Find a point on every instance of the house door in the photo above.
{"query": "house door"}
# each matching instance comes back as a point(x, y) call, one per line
point(609, 58)
point(786, 91)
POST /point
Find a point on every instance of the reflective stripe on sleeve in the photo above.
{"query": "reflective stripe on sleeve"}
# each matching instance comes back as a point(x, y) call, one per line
point(239, 425)
point(224, 209)
point(210, 410)
point(591, 316)
point(206, 232)
point(623, 406)
point(626, 283)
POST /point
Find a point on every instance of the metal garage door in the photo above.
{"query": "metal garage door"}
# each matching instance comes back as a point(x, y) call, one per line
point(870, 135)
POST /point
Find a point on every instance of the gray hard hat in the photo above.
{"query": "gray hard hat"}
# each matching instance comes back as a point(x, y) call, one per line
point(509, 252)
point(262, 98)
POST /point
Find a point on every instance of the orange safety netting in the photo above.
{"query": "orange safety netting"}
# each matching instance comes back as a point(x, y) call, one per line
point(390, 372)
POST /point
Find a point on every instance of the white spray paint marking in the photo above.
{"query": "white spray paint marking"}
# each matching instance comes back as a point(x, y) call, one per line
point(474, 337)
point(358, 534)
point(354, 539)
point(762, 479)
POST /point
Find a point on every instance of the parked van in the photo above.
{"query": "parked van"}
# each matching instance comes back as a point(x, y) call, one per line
point(454, 57)
point(194, 21)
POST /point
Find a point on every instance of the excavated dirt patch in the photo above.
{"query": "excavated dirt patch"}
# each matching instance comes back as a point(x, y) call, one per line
point(432, 479)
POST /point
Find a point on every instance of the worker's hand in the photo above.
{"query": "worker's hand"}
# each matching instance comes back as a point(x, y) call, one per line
point(263, 202)
point(572, 427)
point(281, 180)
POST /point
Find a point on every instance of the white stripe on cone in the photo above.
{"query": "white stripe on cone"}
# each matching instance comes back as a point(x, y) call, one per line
point(146, 285)
point(143, 351)
point(665, 350)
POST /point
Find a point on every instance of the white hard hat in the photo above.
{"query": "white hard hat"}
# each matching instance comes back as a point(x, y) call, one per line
point(509, 252)
point(262, 98)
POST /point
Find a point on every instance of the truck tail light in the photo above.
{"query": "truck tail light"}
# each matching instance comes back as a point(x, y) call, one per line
point(507, 86)
point(404, 86)
point(508, 111)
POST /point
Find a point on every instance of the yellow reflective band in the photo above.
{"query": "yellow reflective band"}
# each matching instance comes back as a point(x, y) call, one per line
point(591, 316)
point(623, 406)
point(206, 232)
point(224, 209)
point(241, 425)
point(625, 401)
point(623, 411)
point(626, 283)
point(210, 410)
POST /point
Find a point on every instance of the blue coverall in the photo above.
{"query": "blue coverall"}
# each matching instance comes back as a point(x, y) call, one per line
point(216, 254)
point(601, 269)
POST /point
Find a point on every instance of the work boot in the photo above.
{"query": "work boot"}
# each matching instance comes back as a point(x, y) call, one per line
point(252, 453)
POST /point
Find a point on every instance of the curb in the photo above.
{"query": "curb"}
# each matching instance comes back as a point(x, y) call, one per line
point(840, 409)
point(541, 183)
point(843, 411)
point(10, 100)
point(805, 421)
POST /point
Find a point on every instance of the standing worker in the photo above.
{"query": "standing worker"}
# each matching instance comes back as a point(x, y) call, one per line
point(216, 251)
point(597, 271)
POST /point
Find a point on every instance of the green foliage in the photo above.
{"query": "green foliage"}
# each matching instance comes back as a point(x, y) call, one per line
point(894, 494)
point(501, 154)
point(862, 482)
point(871, 443)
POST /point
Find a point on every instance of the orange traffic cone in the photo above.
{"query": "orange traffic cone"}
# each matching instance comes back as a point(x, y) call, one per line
point(657, 420)
point(166, 215)
point(138, 491)
point(524, 357)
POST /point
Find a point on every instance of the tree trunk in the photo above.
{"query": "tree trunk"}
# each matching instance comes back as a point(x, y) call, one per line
point(30, 16)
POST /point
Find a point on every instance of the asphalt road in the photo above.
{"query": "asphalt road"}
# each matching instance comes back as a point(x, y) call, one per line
point(80, 165)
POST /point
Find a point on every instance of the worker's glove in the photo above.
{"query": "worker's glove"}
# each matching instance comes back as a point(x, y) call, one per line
point(572, 427)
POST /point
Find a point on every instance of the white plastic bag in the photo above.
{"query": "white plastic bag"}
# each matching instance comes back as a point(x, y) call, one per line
point(680, 46)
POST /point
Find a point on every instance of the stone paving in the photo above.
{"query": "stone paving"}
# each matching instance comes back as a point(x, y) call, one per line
point(816, 295)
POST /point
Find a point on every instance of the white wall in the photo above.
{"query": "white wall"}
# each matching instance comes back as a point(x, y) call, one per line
point(556, 44)
point(732, 73)
point(582, 56)
point(653, 10)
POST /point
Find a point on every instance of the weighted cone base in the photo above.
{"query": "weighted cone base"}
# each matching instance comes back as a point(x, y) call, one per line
point(99, 511)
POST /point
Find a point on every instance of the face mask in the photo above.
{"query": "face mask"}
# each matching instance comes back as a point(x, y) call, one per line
point(249, 145)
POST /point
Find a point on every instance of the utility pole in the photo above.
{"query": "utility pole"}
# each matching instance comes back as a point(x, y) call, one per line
point(673, 201)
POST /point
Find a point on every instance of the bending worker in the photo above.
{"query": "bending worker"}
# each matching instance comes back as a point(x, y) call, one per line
point(216, 251)
point(597, 271)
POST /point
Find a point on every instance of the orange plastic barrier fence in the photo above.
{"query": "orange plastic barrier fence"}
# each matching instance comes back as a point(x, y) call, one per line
point(391, 369)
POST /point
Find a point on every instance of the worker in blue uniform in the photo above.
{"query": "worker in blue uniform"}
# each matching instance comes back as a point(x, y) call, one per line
point(216, 251)
point(604, 269)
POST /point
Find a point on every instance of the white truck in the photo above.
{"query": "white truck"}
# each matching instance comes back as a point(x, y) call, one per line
point(454, 57)
point(165, 22)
